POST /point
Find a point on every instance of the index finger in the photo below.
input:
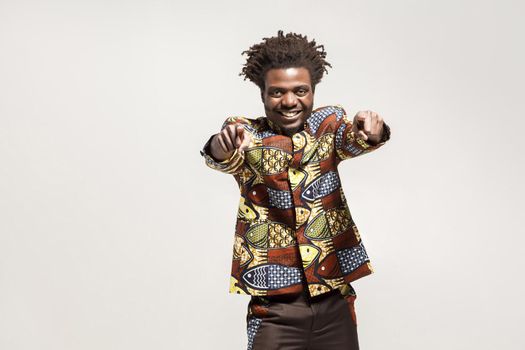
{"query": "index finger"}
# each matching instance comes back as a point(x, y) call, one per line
point(368, 122)
point(245, 142)
point(240, 135)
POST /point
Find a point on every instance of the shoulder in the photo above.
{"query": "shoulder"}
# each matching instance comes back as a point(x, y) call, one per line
point(247, 122)
point(325, 114)
point(325, 111)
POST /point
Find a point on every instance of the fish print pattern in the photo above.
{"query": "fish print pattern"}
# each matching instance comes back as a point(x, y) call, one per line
point(323, 186)
point(245, 210)
point(270, 235)
point(293, 227)
point(272, 276)
point(309, 253)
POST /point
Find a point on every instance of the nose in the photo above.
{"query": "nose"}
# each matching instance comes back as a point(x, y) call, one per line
point(289, 100)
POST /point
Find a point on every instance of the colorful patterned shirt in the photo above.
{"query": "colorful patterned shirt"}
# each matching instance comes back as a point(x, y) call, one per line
point(293, 226)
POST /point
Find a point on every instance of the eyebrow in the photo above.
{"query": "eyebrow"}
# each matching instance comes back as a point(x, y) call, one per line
point(295, 88)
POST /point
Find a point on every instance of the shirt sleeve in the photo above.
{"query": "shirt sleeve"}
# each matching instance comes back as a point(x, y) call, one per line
point(232, 165)
point(347, 145)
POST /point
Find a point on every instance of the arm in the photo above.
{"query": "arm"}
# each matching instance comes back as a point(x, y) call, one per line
point(367, 132)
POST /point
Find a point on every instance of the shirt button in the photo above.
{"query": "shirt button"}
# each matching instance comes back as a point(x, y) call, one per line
point(254, 193)
point(322, 268)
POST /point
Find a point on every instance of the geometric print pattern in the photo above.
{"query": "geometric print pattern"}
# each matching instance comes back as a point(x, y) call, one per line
point(280, 199)
point(339, 135)
point(351, 258)
point(325, 148)
point(282, 276)
point(289, 232)
point(338, 220)
point(318, 117)
point(281, 236)
point(328, 183)
point(253, 326)
point(274, 161)
point(353, 149)
point(264, 134)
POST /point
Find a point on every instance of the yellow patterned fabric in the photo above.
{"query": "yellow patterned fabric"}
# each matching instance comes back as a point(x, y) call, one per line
point(293, 228)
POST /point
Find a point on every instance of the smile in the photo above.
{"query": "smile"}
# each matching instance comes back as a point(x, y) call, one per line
point(290, 114)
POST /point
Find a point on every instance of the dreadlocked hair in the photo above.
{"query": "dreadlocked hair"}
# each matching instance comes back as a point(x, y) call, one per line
point(284, 51)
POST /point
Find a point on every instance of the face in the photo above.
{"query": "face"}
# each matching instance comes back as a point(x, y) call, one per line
point(288, 98)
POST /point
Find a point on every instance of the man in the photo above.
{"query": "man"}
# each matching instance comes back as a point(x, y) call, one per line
point(296, 247)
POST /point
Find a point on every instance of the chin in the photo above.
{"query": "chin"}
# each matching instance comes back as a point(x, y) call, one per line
point(290, 130)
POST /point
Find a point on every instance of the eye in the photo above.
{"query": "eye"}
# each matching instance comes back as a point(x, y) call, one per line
point(275, 93)
point(302, 92)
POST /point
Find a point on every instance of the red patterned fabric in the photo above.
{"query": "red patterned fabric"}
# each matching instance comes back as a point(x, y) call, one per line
point(293, 225)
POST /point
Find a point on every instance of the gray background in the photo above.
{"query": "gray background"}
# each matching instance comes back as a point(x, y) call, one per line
point(115, 235)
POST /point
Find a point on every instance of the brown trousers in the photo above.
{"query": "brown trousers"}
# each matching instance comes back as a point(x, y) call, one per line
point(299, 322)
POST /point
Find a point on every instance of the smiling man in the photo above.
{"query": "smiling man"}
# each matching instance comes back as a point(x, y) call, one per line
point(288, 98)
point(296, 247)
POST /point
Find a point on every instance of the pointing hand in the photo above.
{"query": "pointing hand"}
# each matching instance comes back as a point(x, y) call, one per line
point(230, 138)
point(368, 126)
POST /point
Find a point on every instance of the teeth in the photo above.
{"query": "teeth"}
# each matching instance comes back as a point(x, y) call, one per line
point(290, 114)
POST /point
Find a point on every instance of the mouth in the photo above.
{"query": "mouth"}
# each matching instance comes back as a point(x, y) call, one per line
point(290, 114)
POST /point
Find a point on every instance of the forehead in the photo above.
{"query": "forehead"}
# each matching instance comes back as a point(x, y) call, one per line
point(287, 77)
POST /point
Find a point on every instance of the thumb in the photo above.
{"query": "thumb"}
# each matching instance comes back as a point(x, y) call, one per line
point(361, 134)
point(245, 142)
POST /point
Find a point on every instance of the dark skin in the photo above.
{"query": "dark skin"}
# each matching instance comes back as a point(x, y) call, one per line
point(288, 98)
